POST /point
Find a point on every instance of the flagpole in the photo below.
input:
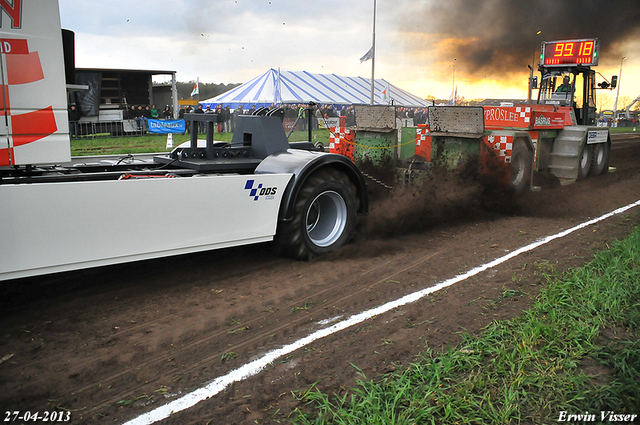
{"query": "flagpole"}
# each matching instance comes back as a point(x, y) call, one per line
point(373, 57)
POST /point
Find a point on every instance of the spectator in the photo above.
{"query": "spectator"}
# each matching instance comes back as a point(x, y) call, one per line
point(219, 118)
point(146, 115)
point(74, 117)
point(199, 110)
point(154, 112)
point(236, 112)
point(226, 116)
point(351, 117)
point(302, 118)
point(136, 113)
point(166, 114)
point(329, 112)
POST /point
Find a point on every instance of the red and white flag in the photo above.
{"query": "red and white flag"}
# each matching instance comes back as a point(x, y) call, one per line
point(196, 88)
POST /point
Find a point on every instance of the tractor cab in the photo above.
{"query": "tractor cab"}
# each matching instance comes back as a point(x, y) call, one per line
point(567, 78)
point(557, 88)
point(573, 87)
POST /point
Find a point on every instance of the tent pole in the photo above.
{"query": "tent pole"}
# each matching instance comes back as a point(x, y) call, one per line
point(373, 56)
point(310, 110)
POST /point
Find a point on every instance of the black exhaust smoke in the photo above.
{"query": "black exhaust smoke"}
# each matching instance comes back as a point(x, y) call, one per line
point(501, 36)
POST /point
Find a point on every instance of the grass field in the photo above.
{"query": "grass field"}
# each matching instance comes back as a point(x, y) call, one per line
point(625, 129)
point(577, 350)
point(158, 142)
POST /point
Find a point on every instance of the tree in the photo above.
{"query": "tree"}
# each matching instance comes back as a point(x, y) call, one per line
point(603, 101)
point(207, 90)
point(623, 102)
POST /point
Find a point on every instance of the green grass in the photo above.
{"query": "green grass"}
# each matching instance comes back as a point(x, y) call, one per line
point(151, 143)
point(576, 350)
point(625, 129)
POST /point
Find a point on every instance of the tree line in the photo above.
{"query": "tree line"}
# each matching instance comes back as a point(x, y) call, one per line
point(207, 90)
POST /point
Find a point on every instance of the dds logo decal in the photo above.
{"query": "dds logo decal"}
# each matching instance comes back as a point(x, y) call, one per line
point(259, 190)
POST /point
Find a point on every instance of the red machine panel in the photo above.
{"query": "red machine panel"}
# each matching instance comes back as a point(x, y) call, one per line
point(507, 117)
point(423, 143)
point(341, 141)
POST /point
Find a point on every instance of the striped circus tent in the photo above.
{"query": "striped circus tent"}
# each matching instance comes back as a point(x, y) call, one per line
point(279, 87)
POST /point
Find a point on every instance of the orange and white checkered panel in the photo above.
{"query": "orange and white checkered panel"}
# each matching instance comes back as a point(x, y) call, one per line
point(503, 145)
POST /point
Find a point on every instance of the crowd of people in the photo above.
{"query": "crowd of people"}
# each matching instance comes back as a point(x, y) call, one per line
point(140, 114)
point(148, 112)
point(620, 122)
point(226, 117)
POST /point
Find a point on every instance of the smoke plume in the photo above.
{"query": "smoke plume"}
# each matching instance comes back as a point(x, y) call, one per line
point(501, 36)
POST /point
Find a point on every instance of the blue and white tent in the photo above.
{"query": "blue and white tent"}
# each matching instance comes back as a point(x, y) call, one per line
point(278, 87)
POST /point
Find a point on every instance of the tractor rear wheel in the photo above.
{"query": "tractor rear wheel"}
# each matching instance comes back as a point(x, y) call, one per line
point(324, 217)
point(521, 166)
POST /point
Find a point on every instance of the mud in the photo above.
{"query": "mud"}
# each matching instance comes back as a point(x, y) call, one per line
point(112, 343)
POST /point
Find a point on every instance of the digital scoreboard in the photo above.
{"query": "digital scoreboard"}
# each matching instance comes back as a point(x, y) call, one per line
point(570, 52)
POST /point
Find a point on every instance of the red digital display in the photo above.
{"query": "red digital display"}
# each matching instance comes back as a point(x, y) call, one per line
point(570, 52)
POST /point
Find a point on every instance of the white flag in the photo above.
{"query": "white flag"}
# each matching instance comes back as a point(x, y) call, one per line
point(367, 56)
point(196, 89)
point(385, 94)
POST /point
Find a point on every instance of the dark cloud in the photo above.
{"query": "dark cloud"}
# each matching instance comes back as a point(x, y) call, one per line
point(501, 35)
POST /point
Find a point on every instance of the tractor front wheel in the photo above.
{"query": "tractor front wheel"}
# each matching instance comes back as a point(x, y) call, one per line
point(585, 162)
point(599, 158)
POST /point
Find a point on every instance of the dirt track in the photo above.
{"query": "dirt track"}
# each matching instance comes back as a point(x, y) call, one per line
point(112, 343)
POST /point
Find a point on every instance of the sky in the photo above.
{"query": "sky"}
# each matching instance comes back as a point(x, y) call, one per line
point(426, 47)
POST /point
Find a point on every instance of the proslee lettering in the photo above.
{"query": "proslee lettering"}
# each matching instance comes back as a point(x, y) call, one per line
point(500, 114)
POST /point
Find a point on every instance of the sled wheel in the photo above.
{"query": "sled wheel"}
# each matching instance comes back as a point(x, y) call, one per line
point(324, 217)
point(585, 162)
point(599, 158)
point(520, 168)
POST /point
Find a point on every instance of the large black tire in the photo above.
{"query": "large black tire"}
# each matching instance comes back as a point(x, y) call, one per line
point(521, 166)
point(585, 162)
point(599, 158)
point(324, 217)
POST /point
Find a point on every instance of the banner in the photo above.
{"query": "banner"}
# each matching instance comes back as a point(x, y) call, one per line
point(166, 126)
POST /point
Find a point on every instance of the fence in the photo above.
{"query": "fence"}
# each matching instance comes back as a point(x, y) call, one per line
point(362, 116)
point(95, 129)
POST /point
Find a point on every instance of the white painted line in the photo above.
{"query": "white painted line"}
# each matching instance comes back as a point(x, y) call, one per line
point(253, 368)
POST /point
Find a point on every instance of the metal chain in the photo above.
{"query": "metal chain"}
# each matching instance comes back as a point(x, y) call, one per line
point(377, 181)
